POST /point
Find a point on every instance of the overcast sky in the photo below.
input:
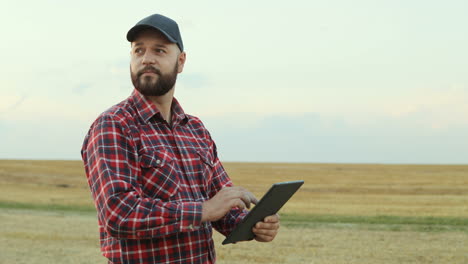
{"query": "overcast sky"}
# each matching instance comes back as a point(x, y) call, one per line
point(296, 81)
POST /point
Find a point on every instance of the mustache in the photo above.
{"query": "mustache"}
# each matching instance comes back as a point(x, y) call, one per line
point(148, 69)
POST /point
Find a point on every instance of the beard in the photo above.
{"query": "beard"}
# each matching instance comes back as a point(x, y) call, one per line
point(149, 86)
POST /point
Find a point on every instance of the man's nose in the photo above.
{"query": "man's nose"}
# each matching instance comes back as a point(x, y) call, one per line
point(148, 58)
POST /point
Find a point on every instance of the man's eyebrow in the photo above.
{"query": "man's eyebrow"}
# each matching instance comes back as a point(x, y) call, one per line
point(155, 45)
point(160, 45)
point(138, 44)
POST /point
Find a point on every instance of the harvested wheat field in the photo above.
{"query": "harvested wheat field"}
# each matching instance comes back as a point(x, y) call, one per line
point(344, 213)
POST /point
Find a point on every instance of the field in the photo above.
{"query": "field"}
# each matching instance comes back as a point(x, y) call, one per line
point(344, 213)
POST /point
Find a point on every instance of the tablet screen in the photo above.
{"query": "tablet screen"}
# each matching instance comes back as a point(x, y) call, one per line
point(270, 204)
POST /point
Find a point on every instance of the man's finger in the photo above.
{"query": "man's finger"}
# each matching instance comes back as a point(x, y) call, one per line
point(246, 198)
point(241, 191)
point(265, 232)
point(239, 204)
point(263, 225)
point(271, 219)
point(263, 238)
point(253, 199)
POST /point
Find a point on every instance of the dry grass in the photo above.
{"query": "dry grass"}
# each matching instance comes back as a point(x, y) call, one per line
point(44, 182)
point(360, 189)
point(42, 237)
point(339, 189)
point(346, 246)
point(39, 236)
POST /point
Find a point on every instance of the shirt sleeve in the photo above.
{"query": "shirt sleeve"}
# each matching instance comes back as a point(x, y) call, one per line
point(111, 164)
point(226, 224)
point(219, 180)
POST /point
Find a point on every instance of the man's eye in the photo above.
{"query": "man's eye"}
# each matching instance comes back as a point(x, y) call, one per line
point(138, 51)
point(160, 51)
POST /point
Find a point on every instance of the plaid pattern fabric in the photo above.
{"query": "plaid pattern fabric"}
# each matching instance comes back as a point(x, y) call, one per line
point(149, 180)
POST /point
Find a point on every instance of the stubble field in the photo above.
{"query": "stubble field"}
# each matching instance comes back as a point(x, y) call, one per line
point(344, 213)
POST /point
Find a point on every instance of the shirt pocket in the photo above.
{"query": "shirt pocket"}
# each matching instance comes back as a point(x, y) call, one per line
point(206, 157)
point(158, 177)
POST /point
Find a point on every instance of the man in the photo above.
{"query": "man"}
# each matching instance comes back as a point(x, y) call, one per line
point(153, 170)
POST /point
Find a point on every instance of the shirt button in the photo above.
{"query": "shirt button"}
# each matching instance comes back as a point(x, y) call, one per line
point(158, 161)
point(190, 226)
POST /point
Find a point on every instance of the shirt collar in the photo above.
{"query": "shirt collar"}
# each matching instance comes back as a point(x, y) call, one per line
point(146, 109)
point(178, 114)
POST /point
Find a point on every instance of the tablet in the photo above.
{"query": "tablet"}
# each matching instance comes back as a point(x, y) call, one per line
point(270, 204)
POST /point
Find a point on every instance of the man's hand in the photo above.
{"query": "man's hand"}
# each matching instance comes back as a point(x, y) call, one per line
point(226, 199)
point(266, 230)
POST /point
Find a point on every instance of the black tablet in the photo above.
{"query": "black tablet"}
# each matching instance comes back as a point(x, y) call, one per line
point(270, 204)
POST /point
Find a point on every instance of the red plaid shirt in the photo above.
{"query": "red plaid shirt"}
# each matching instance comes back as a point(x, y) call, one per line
point(149, 180)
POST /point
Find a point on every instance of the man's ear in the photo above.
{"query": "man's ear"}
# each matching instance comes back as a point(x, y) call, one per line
point(181, 61)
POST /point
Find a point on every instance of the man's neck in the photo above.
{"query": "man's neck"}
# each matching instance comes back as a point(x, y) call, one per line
point(164, 103)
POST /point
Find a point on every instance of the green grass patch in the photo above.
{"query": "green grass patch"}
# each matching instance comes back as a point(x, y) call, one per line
point(379, 219)
point(47, 207)
point(380, 222)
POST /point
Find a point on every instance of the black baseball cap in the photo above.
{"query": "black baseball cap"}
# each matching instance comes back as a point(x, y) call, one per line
point(163, 24)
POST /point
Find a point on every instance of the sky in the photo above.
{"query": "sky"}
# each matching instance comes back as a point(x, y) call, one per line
point(335, 81)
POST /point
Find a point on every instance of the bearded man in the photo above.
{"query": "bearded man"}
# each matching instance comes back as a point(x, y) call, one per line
point(153, 170)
